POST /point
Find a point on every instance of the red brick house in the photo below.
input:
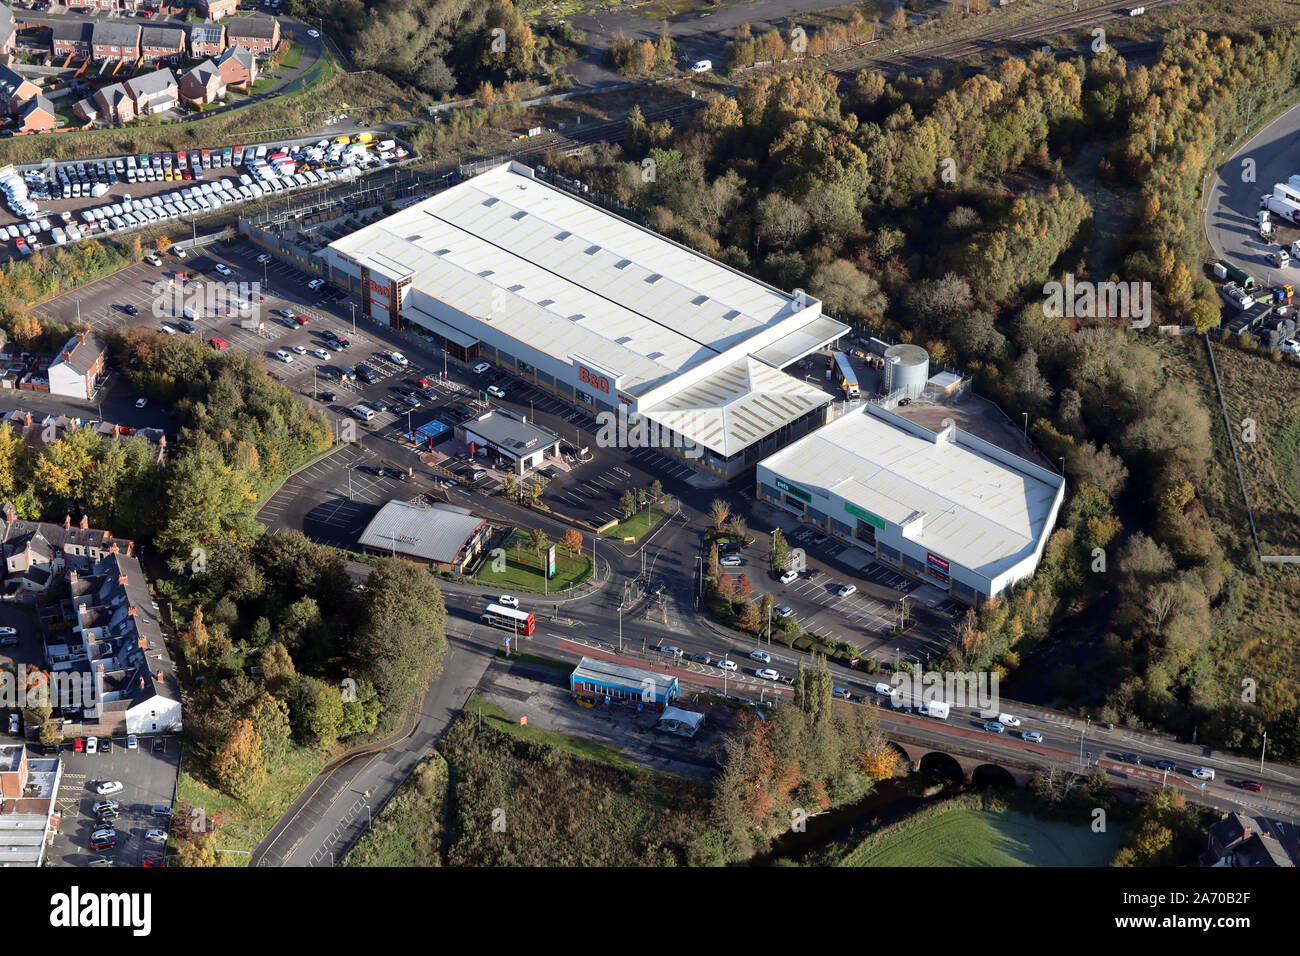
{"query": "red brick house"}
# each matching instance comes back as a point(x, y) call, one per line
point(207, 39)
point(71, 36)
point(111, 104)
point(216, 9)
point(115, 41)
point(203, 84)
point(259, 35)
point(162, 44)
point(238, 67)
point(37, 116)
point(15, 91)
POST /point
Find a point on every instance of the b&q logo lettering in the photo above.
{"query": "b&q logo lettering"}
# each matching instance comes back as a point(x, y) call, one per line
point(594, 380)
point(375, 287)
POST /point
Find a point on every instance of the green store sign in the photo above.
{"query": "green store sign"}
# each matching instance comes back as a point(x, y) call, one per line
point(790, 489)
point(866, 516)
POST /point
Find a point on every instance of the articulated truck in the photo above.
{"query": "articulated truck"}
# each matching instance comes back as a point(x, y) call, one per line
point(1287, 208)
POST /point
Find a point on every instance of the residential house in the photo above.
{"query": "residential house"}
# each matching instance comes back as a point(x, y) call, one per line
point(15, 90)
point(116, 643)
point(115, 41)
point(8, 30)
point(203, 84)
point(80, 366)
point(162, 44)
point(37, 554)
point(71, 37)
point(38, 430)
point(238, 67)
point(216, 9)
point(259, 34)
point(1237, 840)
point(37, 116)
point(207, 39)
point(154, 92)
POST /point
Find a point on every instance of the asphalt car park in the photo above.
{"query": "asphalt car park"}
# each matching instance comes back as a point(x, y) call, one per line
point(148, 775)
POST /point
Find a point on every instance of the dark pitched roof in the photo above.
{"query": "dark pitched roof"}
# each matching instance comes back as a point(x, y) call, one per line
point(115, 34)
point(10, 81)
point(83, 354)
point(204, 72)
point(38, 102)
point(239, 54)
point(76, 31)
point(169, 37)
point(261, 28)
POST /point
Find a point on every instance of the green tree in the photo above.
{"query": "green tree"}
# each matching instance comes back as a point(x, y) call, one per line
point(627, 503)
point(779, 559)
point(315, 711)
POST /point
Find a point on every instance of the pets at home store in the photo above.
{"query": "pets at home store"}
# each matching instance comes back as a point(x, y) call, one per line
point(856, 525)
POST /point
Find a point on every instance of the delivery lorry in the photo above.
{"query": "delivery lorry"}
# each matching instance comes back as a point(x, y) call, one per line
point(934, 708)
point(1287, 208)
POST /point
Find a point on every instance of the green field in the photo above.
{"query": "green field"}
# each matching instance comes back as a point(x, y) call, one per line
point(962, 837)
point(639, 524)
point(524, 569)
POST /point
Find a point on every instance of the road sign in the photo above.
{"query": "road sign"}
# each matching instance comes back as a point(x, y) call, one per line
point(550, 562)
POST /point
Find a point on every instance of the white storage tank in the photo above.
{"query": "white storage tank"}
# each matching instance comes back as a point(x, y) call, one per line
point(907, 369)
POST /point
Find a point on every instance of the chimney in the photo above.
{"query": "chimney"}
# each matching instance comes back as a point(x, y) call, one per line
point(1246, 834)
point(112, 548)
point(142, 683)
point(72, 577)
point(10, 513)
point(142, 642)
point(67, 355)
point(121, 580)
point(160, 677)
point(27, 420)
point(99, 669)
point(130, 612)
point(84, 523)
point(81, 338)
point(67, 521)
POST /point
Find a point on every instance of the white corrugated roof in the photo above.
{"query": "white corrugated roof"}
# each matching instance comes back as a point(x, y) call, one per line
point(569, 278)
point(733, 408)
point(435, 534)
point(977, 511)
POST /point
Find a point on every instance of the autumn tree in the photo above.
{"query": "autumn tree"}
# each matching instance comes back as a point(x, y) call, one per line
point(572, 541)
point(237, 764)
point(719, 511)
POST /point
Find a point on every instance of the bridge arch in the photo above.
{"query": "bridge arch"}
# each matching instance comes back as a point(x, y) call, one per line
point(991, 775)
point(937, 764)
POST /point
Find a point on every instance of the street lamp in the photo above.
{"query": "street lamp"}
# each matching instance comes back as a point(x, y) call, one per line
point(1026, 414)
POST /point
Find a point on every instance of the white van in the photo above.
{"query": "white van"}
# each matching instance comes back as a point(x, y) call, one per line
point(885, 690)
point(702, 66)
point(363, 413)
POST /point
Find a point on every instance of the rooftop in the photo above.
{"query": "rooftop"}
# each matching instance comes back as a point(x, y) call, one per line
point(571, 279)
point(262, 28)
point(105, 32)
point(511, 433)
point(963, 498)
point(593, 669)
point(434, 534)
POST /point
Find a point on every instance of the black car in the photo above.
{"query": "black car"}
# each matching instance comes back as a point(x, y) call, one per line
point(1164, 765)
point(185, 327)
point(377, 406)
point(130, 309)
point(1130, 758)
point(106, 745)
point(327, 397)
point(702, 658)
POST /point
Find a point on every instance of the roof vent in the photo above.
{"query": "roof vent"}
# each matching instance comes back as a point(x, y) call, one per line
point(732, 314)
point(653, 277)
point(592, 250)
point(517, 287)
point(519, 215)
point(485, 273)
point(577, 317)
point(564, 235)
point(622, 263)
point(699, 300)
point(655, 355)
point(491, 201)
point(442, 252)
point(623, 339)
point(546, 302)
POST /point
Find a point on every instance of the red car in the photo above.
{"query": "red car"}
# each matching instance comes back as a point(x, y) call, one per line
point(300, 319)
point(1252, 785)
point(79, 746)
point(152, 861)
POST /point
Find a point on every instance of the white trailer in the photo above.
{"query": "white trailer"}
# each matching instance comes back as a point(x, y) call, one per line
point(1286, 208)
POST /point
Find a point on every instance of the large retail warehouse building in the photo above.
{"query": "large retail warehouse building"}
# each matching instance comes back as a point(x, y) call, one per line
point(600, 311)
point(947, 507)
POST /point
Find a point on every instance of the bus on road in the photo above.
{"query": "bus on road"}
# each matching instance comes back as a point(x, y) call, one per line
point(521, 622)
point(844, 374)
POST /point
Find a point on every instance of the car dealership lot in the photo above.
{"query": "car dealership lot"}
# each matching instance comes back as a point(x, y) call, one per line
point(148, 775)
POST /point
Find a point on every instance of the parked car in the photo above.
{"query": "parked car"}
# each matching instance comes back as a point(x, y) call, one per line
point(103, 839)
point(321, 354)
point(222, 269)
point(399, 359)
point(155, 835)
point(847, 589)
point(92, 745)
point(109, 786)
point(132, 742)
point(481, 367)
point(283, 356)
point(732, 561)
point(789, 576)
point(496, 391)
point(106, 806)
point(784, 611)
